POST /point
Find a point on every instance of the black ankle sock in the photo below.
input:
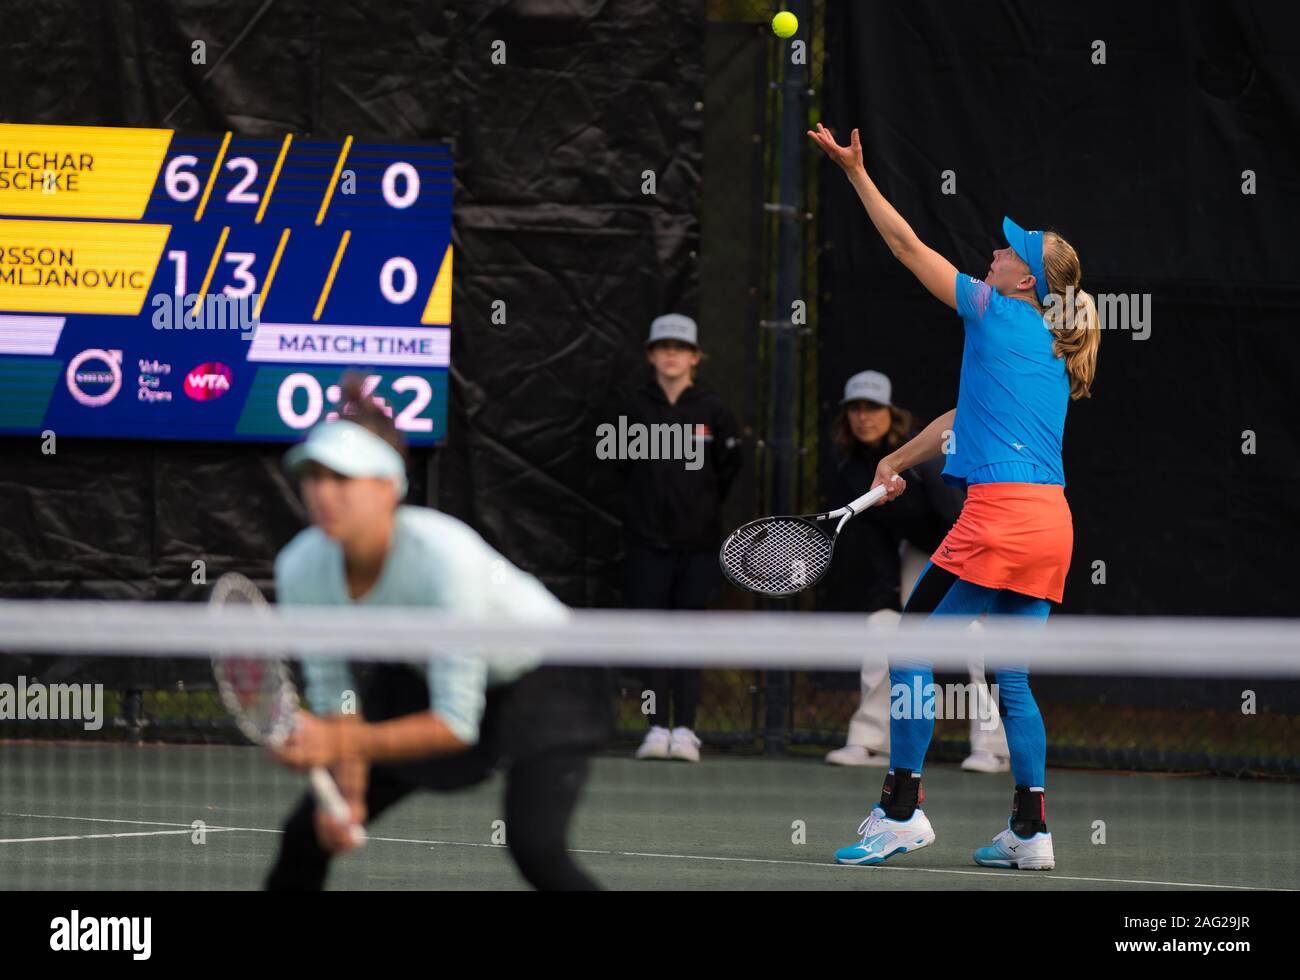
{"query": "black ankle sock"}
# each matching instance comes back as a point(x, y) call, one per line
point(1028, 812)
point(902, 794)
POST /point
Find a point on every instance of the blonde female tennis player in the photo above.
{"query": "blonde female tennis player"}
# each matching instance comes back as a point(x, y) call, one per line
point(442, 725)
point(1031, 343)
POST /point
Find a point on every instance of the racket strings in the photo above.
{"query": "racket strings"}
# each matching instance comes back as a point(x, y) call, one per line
point(257, 691)
point(261, 696)
point(777, 556)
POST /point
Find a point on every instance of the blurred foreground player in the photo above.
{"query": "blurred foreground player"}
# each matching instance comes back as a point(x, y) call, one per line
point(444, 725)
point(1031, 342)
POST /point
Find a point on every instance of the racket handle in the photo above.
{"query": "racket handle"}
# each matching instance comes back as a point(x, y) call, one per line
point(861, 504)
point(866, 500)
point(331, 800)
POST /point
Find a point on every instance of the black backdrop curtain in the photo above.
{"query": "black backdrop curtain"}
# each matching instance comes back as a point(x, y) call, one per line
point(1139, 163)
point(550, 150)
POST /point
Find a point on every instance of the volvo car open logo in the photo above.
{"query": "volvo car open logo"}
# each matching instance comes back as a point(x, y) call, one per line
point(92, 387)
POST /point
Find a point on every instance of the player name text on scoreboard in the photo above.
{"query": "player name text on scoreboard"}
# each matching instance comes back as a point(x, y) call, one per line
point(250, 272)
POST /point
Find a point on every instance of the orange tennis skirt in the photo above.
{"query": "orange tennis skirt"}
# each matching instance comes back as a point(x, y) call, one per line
point(1016, 536)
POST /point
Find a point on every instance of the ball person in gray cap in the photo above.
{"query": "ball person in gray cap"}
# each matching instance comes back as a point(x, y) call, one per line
point(672, 513)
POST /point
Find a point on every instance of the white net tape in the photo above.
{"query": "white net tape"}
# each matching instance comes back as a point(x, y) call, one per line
point(1073, 645)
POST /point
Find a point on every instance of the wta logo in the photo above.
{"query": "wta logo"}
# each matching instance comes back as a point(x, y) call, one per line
point(208, 381)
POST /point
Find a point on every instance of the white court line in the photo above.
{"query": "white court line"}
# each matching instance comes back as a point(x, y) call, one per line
point(843, 867)
point(137, 833)
point(185, 828)
point(1027, 876)
point(56, 816)
point(1032, 875)
point(934, 871)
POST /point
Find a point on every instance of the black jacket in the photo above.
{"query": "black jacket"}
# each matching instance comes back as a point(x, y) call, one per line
point(865, 574)
point(666, 505)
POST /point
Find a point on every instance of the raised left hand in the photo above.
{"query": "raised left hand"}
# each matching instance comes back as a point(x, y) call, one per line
point(848, 157)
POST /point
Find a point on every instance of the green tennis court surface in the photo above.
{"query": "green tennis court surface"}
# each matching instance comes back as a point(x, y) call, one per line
point(110, 816)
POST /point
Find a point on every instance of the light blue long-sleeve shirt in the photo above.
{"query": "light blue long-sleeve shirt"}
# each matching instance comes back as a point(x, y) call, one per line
point(433, 560)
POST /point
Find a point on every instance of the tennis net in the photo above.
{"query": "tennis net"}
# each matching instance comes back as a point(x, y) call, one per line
point(120, 768)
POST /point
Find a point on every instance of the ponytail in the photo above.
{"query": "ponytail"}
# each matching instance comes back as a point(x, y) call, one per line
point(355, 406)
point(1071, 315)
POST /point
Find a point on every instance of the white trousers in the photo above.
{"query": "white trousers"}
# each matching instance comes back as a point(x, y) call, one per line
point(869, 726)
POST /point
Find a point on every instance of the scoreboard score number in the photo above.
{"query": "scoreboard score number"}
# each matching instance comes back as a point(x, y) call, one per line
point(160, 285)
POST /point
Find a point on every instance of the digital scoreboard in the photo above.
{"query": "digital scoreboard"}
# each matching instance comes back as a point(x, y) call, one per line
point(161, 286)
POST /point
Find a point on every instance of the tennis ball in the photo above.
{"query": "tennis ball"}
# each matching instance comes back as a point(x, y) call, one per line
point(785, 24)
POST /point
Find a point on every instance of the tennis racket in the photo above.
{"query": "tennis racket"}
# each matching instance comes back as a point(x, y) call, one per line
point(260, 695)
point(778, 556)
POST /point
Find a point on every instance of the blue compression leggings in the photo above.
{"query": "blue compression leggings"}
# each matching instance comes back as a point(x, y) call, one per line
point(940, 593)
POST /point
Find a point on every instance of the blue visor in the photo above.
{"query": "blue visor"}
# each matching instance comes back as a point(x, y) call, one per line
point(1029, 246)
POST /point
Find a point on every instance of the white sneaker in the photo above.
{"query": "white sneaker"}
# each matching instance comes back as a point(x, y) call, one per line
point(857, 755)
point(684, 745)
point(985, 761)
point(1010, 850)
point(655, 744)
point(882, 837)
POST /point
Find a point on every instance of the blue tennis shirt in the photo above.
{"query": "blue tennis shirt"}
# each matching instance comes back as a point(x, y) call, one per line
point(433, 560)
point(1013, 393)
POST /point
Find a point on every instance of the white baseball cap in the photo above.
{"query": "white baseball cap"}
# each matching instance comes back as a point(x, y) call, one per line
point(869, 386)
point(673, 326)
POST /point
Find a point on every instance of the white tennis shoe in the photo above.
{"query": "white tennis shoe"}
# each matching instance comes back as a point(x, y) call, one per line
point(1010, 850)
point(856, 755)
point(684, 744)
point(655, 744)
point(882, 837)
point(981, 760)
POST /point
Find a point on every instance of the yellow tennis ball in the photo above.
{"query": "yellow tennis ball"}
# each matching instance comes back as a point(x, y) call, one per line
point(785, 24)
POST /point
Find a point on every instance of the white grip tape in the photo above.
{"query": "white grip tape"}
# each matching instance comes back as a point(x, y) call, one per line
point(328, 796)
point(867, 499)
